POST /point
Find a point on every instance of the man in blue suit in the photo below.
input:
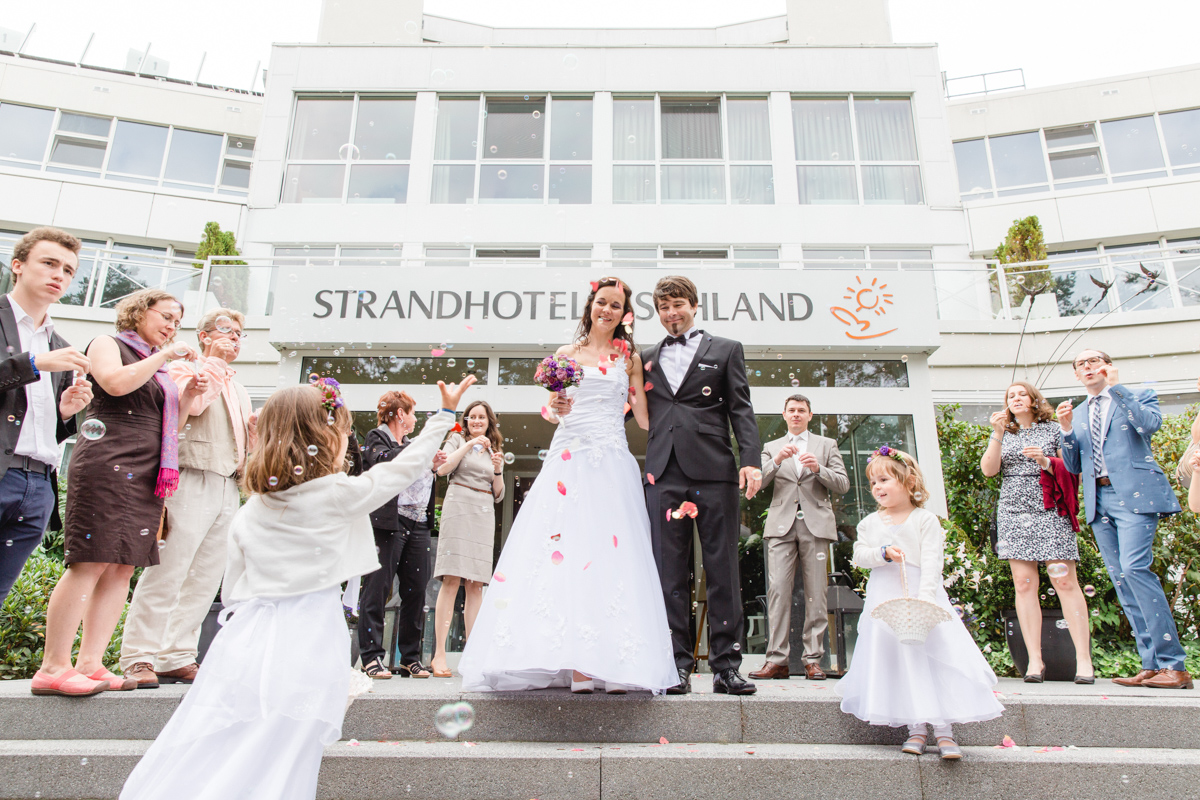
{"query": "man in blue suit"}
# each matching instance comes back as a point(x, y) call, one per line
point(1125, 491)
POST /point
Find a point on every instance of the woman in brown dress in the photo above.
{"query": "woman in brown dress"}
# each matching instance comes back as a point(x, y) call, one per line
point(467, 533)
point(118, 481)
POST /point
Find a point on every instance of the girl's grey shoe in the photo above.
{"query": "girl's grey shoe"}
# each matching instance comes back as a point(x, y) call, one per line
point(915, 744)
point(949, 749)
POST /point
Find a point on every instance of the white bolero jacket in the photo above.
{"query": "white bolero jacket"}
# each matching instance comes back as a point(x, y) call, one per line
point(920, 538)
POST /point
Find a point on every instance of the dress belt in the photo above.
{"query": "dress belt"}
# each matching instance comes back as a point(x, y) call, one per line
point(472, 488)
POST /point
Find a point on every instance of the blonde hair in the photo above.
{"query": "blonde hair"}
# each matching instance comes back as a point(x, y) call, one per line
point(208, 322)
point(132, 310)
point(292, 420)
point(903, 468)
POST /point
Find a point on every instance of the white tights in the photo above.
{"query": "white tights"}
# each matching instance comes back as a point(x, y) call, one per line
point(939, 731)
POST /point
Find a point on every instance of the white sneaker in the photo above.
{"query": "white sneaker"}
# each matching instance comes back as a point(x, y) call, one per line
point(582, 687)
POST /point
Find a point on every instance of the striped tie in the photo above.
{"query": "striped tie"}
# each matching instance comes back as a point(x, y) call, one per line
point(1097, 418)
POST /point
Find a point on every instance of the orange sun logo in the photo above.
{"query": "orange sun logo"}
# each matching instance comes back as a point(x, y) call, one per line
point(872, 298)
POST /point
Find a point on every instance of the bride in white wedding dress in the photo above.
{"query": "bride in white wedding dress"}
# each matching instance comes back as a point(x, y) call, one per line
point(576, 594)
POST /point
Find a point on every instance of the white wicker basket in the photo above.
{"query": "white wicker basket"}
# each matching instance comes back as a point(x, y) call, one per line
point(909, 618)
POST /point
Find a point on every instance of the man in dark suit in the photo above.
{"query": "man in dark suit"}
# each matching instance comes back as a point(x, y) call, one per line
point(39, 394)
point(402, 529)
point(696, 388)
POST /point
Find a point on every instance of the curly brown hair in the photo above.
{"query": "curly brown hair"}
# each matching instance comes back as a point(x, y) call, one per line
point(132, 310)
point(905, 470)
point(46, 234)
point(390, 404)
point(1042, 412)
point(293, 419)
point(585, 322)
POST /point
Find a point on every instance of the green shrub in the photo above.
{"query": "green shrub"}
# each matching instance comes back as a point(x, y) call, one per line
point(23, 619)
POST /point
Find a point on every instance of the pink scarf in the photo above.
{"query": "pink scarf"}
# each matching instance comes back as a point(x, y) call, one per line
point(168, 459)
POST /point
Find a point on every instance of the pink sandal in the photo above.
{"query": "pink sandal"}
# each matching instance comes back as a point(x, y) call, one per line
point(68, 684)
point(116, 683)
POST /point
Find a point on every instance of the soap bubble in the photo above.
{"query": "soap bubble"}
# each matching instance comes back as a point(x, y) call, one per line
point(1061, 624)
point(1057, 570)
point(800, 514)
point(1089, 590)
point(570, 61)
point(454, 718)
point(470, 363)
point(297, 470)
point(541, 455)
point(706, 391)
point(904, 359)
point(311, 450)
point(224, 324)
point(144, 531)
point(509, 458)
point(450, 362)
point(273, 481)
point(93, 429)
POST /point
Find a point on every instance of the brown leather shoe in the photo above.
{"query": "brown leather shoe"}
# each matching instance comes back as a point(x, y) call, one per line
point(771, 671)
point(182, 675)
point(813, 672)
point(143, 672)
point(1136, 680)
point(1170, 679)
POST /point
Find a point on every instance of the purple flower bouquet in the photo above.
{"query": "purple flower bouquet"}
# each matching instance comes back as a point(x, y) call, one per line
point(556, 373)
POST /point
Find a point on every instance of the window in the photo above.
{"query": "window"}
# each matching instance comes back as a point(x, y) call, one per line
point(1018, 162)
point(1181, 131)
point(513, 164)
point(556, 256)
point(24, 131)
point(122, 150)
point(1075, 156)
point(974, 175)
point(707, 150)
point(394, 370)
point(347, 150)
point(1132, 147)
point(746, 257)
point(885, 258)
point(649, 256)
point(1133, 287)
point(827, 257)
point(856, 149)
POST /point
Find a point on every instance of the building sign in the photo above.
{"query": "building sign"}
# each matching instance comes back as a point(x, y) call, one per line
point(519, 306)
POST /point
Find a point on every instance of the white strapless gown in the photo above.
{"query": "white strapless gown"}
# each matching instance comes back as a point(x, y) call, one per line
point(576, 587)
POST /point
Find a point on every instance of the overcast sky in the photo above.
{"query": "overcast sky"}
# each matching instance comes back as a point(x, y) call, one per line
point(1054, 41)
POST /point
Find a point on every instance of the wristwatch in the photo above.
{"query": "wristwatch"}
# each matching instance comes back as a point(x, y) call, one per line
point(883, 552)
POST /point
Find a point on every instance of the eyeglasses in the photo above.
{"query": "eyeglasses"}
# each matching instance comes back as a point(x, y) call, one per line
point(1094, 361)
point(170, 320)
point(237, 336)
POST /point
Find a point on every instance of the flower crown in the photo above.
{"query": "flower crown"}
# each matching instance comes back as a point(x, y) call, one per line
point(888, 452)
point(331, 395)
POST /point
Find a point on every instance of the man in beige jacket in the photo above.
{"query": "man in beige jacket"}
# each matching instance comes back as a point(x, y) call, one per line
point(162, 626)
point(806, 468)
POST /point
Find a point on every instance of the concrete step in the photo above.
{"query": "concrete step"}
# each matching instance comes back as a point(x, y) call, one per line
point(783, 712)
point(96, 770)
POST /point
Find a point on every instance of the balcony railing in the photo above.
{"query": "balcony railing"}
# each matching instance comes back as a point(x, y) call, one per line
point(1152, 279)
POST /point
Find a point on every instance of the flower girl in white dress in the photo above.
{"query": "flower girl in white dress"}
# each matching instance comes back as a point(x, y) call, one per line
point(576, 596)
point(273, 689)
point(946, 679)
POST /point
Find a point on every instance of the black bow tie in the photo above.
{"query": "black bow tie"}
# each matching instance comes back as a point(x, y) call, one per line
point(670, 340)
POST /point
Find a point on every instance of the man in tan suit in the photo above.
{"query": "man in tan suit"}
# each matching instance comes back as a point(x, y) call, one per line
point(162, 627)
point(800, 524)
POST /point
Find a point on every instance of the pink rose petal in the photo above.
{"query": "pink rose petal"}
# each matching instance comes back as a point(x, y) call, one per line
point(436, 352)
point(663, 740)
point(562, 489)
point(499, 577)
point(588, 564)
point(566, 455)
point(546, 413)
point(556, 558)
point(614, 541)
point(650, 478)
point(649, 366)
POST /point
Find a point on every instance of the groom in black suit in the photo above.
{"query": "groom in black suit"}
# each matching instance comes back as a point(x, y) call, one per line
point(696, 388)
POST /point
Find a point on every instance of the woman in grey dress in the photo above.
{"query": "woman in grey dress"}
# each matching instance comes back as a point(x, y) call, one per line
point(1024, 438)
point(467, 533)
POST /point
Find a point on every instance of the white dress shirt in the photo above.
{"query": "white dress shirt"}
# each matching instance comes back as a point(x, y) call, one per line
point(1106, 409)
point(674, 359)
point(39, 430)
point(801, 442)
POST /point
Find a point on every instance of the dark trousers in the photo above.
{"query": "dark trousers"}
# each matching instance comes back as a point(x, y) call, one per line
point(26, 502)
point(403, 553)
point(717, 524)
